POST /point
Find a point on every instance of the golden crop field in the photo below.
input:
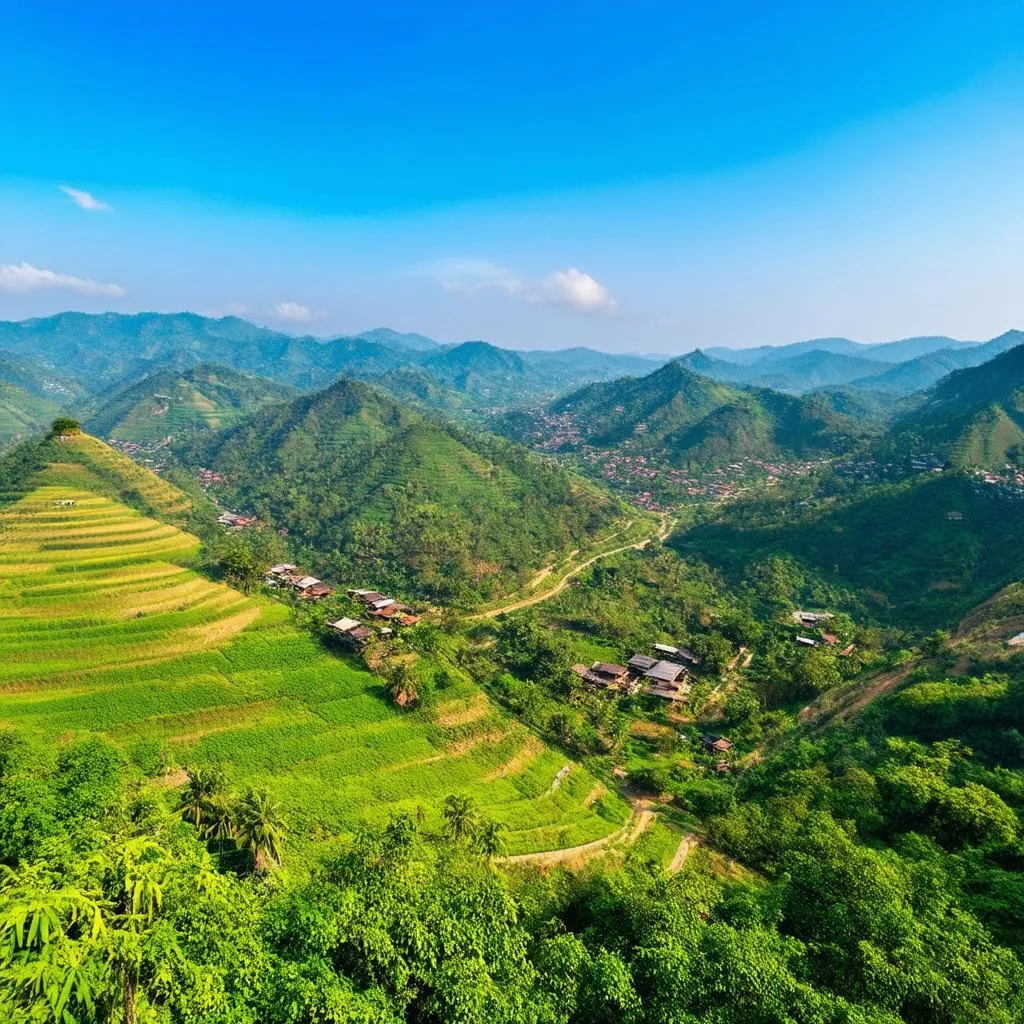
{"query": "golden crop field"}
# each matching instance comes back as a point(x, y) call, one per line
point(104, 628)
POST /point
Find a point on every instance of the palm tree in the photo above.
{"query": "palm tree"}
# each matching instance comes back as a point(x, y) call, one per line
point(203, 785)
point(488, 840)
point(460, 816)
point(259, 828)
point(220, 819)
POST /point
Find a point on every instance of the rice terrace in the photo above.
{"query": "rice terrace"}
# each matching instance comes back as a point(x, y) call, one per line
point(104, 627)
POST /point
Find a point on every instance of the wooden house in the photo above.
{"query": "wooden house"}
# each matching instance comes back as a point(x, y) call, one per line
point(717, 744)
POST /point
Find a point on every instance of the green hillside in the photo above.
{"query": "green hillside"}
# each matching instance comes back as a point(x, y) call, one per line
point(104, 628)
point(918, 554)
point(975, 415)
point(374, 492)
point(171, 403)
point(677, 417)
point(21, 413)
point(32, 393)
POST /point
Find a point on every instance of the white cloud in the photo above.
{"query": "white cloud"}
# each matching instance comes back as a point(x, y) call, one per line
point(570, 289)
point(470, 276)
point(575, 290)
point(86, 200)
point(18, 278)
point(295, 313)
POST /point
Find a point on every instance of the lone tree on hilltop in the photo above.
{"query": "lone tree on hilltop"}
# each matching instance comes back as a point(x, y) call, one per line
point(64, 425)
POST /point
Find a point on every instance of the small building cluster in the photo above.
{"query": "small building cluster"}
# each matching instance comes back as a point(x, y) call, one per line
point(309, 588)
point(235, 521)
point(388, 612)
point(661, 677)
point(818, 622)
point(380, 606)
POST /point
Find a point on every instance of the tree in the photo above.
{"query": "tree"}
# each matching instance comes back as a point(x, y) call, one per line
point(488, 839)
point(460, 816)
point(403, 687)
point(259, 828)
point(197, 798)
point(64, 425)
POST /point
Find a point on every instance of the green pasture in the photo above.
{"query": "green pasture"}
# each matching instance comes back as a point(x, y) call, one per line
point(104, 628)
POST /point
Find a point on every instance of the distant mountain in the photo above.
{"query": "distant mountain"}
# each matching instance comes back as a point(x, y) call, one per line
point(810, 370)
point(913, 375)
point(173, 403)
point(766, 353)
point(386, 336)
point(912, 348)
point(883, 352)
point(110, 349)
point(107, 347)
point(677, 417)
point(975, 415)
point(705, 365)
point(373, 492)
point(571, 367)
point(922, 372)
point(795, 374)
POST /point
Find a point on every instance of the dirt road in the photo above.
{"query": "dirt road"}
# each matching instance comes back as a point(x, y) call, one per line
point(526, 602)
point(641, 820)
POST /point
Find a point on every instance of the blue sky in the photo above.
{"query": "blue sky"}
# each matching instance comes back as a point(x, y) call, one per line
point(636, 176)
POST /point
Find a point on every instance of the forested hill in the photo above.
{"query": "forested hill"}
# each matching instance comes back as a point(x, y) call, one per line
point(676, 416)
point(174, 403)
point(376, 493)
point(976, 415)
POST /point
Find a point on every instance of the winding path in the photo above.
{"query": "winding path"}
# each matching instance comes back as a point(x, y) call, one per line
point(641, 820)
point(526, 602)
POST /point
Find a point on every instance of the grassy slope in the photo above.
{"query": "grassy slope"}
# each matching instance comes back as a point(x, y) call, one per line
point(203, 398)
point(104, 628)
point(975, 415)
point(897, 544)
point(21, 413)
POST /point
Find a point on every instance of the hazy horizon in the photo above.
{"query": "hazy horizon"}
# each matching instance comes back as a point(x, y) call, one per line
point(652, 353)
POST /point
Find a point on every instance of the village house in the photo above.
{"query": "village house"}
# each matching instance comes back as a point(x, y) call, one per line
point(309, 588)
point(604, 674)
point(667, 680)
point(1016, 641)
point(717, 744)
point(677, 652)
point(343, 625)
point(806, 641)
point(641, 663)
point(278, 575)
point(234, 521)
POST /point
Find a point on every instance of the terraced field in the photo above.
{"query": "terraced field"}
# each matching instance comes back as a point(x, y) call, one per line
point(104, 628)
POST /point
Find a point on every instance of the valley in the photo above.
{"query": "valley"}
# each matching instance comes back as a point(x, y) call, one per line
point(715, 653)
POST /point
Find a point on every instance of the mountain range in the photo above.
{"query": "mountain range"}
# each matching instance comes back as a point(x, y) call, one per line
point(372, 490)
point(974, 416)
point(897, 368)
point(677, 417)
